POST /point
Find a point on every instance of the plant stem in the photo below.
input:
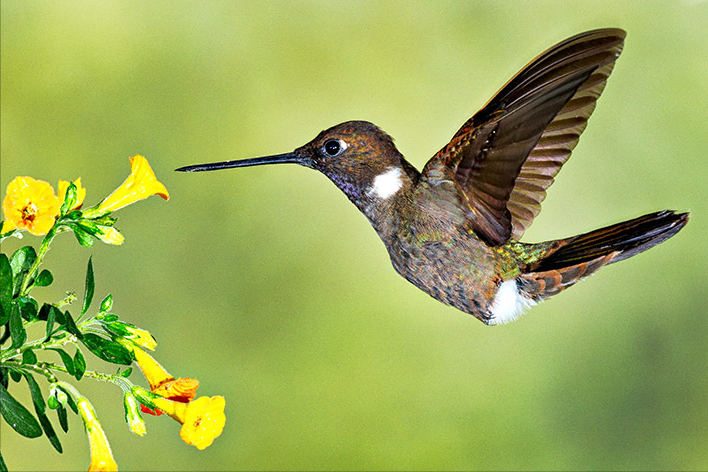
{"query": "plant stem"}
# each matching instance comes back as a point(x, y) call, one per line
point(43, 248)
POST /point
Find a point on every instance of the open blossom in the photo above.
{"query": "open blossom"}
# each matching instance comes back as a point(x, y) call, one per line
point(140, 184)
point(29, 204)
point(101, 455)
point(202, 420)
point(80, 192)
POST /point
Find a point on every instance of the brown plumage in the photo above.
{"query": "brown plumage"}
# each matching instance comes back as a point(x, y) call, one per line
point(453, 229)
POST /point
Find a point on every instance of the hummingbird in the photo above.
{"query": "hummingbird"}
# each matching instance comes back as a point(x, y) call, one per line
point(454, 229)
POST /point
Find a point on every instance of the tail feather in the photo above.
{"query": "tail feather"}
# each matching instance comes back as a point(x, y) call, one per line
point(575, 258)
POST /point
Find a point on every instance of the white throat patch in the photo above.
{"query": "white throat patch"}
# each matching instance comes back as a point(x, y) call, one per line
point(386, 184)
point(509, 303)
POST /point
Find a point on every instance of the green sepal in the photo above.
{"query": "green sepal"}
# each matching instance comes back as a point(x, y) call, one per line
point(79, 364)
point(70, 199)
point(44, 279)
point(17, 416)
point(84, 238)
point(52, 402)
point(107, 350)
point(17, 331)
point(6, 288)
point(73, 215)
point(70, 325)
point(106, 304)
point(107, 318)
point(116, 327)
point(67, 360)
point(29, 357)
point(126, 373)
point(69, 399)
point(88, 293)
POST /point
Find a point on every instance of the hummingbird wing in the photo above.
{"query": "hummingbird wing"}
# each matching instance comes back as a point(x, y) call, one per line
point(506, 156)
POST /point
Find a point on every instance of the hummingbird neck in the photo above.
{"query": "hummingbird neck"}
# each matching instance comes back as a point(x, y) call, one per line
point(380, 197)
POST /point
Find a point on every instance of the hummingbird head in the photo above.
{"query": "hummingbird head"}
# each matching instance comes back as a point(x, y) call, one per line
point(357, 156)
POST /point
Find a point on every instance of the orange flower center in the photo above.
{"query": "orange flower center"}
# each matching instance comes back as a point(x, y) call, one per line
point(197, 422)
point(29, 212)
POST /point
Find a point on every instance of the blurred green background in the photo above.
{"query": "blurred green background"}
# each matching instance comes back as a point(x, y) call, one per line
point(268, 286)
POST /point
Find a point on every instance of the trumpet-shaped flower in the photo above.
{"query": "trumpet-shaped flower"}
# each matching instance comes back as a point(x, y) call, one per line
point(29, 204)
point(202, 420)
point(101, 455)
point(161, 382)
point(140, 184)
point(80, 192)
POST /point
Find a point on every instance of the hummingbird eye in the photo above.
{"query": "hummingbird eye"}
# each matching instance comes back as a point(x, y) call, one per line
point(333, 147)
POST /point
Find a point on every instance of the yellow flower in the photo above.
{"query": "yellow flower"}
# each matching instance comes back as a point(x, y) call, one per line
point(140, 184)
point(202, 420)
point(101, 455)
point(151, 369)
point(80, 192)
point(161, 382)
point(29, 204)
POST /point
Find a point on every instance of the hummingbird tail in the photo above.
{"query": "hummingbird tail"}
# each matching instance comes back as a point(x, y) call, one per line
point(572, 259)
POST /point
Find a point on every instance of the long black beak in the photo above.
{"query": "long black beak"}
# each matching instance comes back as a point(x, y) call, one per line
point(289, 157)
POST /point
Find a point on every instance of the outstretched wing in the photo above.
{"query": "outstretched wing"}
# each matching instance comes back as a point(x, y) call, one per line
point(506, 156)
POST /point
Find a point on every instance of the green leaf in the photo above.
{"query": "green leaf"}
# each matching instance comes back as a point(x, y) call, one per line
point(82, 236)
point(63, 421)
point(40, 409)
point(5, 285)
point(51, 315)
point(17, 416)
point(4, 380)
point(36, 393)
point(3, 466)
point(66, 359)
point(88, 294)
point(29, 357)
point(44, 278)
point(79, 364)
point(70, 325)
point(15, 375)
point(20, 262)
point(126, 373)
point(28, 308)
point(17, 331)
point(107, 350)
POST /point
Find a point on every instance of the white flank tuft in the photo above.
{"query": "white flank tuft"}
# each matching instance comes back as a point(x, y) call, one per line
point(508, 304)
point(386, 184)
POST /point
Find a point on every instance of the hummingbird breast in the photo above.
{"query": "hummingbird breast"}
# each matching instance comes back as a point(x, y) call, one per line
point(431, 247)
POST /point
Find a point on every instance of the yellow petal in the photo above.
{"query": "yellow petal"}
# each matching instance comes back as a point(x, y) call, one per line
point(140, 184)
point(101, 455)
point(151, 369)
point(204, 421)
point(30, 204)
point(110, 235)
